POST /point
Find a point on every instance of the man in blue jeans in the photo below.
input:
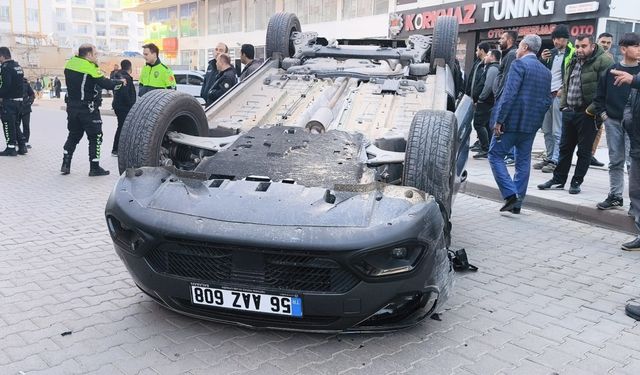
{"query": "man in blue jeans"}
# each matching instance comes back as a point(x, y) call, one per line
point(609, 106)
point(519, 113)
point(631, 123)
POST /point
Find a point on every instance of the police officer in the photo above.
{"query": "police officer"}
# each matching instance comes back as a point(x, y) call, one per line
point(212, 72)
point(11, 93)
point(84, 86)
point(25, 112)
point(154, 75)
point(225, 79)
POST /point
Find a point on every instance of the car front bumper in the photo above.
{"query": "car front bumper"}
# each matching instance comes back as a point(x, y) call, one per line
point(282, 239)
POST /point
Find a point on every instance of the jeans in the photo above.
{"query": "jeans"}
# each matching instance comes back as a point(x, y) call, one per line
point(552, 129)
point(522, 143)
point(578, 129)
point(618, 144)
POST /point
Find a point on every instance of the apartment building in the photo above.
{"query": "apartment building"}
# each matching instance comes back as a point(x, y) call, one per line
point(100, 22)
point(187, 31)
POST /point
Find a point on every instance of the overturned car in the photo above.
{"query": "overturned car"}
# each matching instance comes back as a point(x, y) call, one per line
point(315, 195)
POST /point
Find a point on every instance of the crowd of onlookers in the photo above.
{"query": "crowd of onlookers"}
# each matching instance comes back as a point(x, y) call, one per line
point(573, 92)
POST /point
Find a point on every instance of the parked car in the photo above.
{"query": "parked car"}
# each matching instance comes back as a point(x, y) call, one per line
point(314, 195)
point(189, 81)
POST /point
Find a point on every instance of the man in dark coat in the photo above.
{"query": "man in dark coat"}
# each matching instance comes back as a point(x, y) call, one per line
point(225, 79)
point(123, 100)
point(24, 117)
point(212, 73)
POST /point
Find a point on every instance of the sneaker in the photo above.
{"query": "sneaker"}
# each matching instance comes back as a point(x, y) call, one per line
point(481, 155)
point(114, 153)
point(632, 245)
point(575, 188)
point(610, 202)
point(549, 168)
point(551, 184)
point(28, 146)
point(540, 164)
point(509, 161)
point(476, 147)
point(594, 162)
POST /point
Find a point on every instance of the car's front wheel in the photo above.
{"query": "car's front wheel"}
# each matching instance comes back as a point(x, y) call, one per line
point(144, 140)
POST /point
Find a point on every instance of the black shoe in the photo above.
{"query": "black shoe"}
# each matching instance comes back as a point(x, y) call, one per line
point(509, 161)
point(610, 202)
point(515, 210)
point(509, 203)
point(475, 147)
point(551, 184)
point(114, 153)
point(9, 151)
point(28, 146)
point(632, 245)
point(633, 311)
point(481, 155)
point(594, 162)
point(22, 150)
point(574, 188)
point(98, 171)
point(66, 164)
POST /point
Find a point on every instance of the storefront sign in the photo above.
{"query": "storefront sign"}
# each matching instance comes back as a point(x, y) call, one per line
point(591, 6)
point(575, 29)
point(482, 14)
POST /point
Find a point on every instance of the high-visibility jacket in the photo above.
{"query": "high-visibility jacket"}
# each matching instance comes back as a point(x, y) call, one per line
point(156, 76)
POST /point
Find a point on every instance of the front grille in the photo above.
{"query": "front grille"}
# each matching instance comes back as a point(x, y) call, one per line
point(251, 268)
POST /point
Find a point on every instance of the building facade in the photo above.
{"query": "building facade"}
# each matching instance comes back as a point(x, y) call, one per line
point(100, 22)
point(486, 20)
point(187, 31)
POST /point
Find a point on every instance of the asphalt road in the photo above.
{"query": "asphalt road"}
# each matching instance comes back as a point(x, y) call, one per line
point(549, 296)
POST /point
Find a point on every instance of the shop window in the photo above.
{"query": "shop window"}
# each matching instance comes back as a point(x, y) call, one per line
point(364, 8)
point(258, 13)
point(224, 16)
point(617, 29)
point(313, 11)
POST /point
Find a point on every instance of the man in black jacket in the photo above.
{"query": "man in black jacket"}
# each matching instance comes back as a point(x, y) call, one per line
point(508, 48)
point(123, 100)
point(85, 82)
point(25, 111)
point(474, 83)
point(631, 123)
point(485, 103)
point(212, 73)
point(225, 79)
point(609, 107)
point(11, 93)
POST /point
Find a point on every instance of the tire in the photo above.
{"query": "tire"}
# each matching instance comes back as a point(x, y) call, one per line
point(281, 26)
point(143, 140)
point(429, 162)
point(444, 42)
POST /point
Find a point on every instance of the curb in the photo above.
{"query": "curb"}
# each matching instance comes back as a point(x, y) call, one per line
point(611, 219)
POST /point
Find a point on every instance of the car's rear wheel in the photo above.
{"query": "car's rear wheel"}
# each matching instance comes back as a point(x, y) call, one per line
point(144, 140)
point(429, 162)
point(444, 42)
point(279, 30)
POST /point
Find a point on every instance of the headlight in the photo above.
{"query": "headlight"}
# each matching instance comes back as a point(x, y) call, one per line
point(390, 261)
point(128, 239)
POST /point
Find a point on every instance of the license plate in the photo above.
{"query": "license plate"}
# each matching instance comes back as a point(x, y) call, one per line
point(246, 301)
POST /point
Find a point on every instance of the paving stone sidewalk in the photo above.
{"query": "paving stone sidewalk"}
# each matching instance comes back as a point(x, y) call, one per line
point(549, 296)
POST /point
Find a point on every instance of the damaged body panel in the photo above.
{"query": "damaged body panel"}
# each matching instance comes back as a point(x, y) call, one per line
point(314, 196)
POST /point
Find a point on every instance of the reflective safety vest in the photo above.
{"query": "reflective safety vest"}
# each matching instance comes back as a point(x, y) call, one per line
point(156, 76)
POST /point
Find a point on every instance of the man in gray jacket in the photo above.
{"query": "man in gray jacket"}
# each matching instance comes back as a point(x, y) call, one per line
point(485, 102)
